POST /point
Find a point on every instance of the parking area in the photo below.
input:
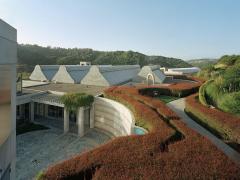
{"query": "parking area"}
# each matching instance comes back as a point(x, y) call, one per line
point(38, 149)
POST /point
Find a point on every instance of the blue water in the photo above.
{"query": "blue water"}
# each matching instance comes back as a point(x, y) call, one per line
point(138, 131)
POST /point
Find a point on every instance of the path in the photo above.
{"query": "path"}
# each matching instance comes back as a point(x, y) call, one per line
point(179, 105)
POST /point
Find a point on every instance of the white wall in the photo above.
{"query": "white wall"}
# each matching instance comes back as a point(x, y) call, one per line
point(113, 117)
point(8, 60)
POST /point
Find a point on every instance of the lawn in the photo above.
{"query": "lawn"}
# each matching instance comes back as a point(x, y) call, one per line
point(167, 99)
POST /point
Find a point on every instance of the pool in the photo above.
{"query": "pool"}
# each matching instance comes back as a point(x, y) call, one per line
point(139, 130)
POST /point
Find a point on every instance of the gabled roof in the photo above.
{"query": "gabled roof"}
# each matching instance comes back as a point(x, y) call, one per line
point(185, 70)
point(71, 73)
point(110, 75)
point(44, 72)
point(158, 75)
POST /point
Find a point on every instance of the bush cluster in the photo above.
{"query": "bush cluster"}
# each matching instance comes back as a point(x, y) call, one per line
point(177, 89)
point(73, 101)
point(169, 151)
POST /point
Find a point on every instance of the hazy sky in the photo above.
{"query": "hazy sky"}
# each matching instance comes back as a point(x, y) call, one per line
point(177, 28)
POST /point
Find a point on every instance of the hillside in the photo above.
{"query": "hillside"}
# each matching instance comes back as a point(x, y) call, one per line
point(223, 91)
point(202, 63)
point(30, 55)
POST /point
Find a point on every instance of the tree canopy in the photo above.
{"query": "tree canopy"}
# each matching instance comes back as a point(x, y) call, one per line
point(31, 55)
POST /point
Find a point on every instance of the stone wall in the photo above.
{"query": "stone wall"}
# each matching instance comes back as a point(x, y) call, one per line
point(113, 117)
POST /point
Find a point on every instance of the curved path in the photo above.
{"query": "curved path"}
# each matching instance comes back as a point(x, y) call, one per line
point(178, 106)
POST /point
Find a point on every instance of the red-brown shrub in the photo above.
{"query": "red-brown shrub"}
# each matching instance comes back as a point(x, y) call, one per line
point(176, 89)
point(226, 125)
point(169, 151)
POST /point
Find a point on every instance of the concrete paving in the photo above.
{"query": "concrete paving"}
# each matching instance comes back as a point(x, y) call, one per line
point(38, 149)
point(179, 105)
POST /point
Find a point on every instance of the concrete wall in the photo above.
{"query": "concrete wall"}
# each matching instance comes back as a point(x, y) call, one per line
point(8, 60)
point(113, 117)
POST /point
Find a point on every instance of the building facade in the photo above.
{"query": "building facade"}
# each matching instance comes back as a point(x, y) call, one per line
point(8, 60)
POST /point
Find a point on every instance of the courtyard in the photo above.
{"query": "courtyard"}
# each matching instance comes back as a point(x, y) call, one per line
point(37, 150)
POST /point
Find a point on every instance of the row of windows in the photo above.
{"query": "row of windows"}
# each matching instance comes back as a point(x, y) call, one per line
point(52, 111)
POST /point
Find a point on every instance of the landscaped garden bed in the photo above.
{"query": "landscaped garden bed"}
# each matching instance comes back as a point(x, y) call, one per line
point(169, 151)
point(176, 89)
point(224, 125)
point(166, 99)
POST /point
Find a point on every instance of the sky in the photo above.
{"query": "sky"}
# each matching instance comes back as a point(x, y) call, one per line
point(186, 29)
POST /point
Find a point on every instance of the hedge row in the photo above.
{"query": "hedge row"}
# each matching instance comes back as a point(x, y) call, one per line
point(177, 89)
point(190, 78)
point(169, 151)
point(202, 93)
point(222, 124)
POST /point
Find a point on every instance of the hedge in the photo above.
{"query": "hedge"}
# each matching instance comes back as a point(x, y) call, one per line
point(73, 101)
point(224, 125)
point(202, 93)
point(177, 89)
point(169, 151)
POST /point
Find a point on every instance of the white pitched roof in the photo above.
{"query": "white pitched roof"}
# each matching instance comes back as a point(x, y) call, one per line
point(71, 73)
point(155, 71)
point(44, 72)
point(110, 75)
point(185, 70)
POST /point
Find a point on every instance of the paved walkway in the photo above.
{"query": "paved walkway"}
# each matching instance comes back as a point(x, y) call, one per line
point(179, 105)
point(38, 149)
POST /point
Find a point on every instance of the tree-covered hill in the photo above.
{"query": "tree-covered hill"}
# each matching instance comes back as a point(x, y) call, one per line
point(202, 63)
point(30, 55)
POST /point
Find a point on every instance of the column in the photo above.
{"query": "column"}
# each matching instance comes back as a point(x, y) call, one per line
point(32, 111)
point(92, 114)
point(21, 111)
point(45, 110)
point(66, 120)
point(80, 120)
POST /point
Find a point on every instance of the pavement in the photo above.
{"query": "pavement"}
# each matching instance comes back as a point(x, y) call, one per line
point(179, 105)
point(37, 150)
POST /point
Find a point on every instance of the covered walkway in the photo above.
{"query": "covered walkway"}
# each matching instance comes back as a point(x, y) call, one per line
point(47, 109)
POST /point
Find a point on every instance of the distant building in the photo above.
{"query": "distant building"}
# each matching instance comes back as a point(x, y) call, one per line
point(70, 74)
point(8, 60)
point(85, 63)
point(102, 75)
point(44, 72)
point(180, 71)
point(110, 75)
point(151, 75)
point(41, 101)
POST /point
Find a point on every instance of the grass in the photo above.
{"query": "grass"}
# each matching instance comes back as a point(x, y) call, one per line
point(167, 99)
point(28, 127)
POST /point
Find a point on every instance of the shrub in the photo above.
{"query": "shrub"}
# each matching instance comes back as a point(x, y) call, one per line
point(178, 89)
point(223, 124)
point(169, 151)
point(73, 101)
point(202, 93)
point(230, 103)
